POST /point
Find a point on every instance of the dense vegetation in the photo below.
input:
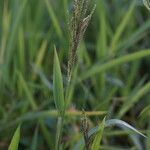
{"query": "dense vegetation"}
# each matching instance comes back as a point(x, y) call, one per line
point(107, 82)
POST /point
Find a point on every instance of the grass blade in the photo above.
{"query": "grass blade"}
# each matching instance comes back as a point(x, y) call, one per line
point(34, 107)
point(40, 56)
point(109, 123)
point(58, 85)
point(146, 110)
point(113, 63)
point(102, 38)
point(34, 140)
point(27, 92)
point(128, 104)
point(54, 19)
point(58, 97)
point(13, 32)
point(121, 28)
point(97, 139)
point(58, 133)
point(140, 33)
point(15, 140)
point(123, 125)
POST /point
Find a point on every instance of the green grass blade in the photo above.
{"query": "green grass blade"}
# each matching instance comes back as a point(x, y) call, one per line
point(14, 30)
point(131, 102)
point(41, 53)
point(27, 92)
point(98, 137)
point(139, 34)
point(34, 140)
point(42, 76)
point(40, 56)
point(121, 28)
point(54, 18)
point(47, 136)
point(21, 50)
point(58, 133)
point(123, 125)
point(113, 63)
point(108, 123)
point(116, 122)
point(145, 111)
point(58, 97)
point(102, 37)
point(131, 78)
point(15, 140)
point(5, 31)
point(35, 107)
point(58, 85)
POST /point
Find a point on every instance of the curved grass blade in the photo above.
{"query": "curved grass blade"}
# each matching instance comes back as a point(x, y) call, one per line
point(123, 125)
point(126, 126)
point(15, 140)
point(108, 123)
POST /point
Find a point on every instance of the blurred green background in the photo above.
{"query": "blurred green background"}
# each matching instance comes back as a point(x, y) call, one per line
point(112, 71)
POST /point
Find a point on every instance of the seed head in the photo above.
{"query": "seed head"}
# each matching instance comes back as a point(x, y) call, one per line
point(79, 23)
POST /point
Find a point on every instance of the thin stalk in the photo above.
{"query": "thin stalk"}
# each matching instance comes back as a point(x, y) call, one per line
point(59, 132)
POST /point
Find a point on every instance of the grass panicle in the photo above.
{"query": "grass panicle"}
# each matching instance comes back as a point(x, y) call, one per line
point(79, 23)
point(85, 129)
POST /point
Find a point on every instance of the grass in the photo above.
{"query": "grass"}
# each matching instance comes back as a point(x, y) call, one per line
point(107, 74)
point(15, 140)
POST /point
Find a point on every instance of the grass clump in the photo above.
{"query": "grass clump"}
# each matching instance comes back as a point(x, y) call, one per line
point(107, 74)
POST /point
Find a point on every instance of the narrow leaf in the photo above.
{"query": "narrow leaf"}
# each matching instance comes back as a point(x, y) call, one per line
point(98, 137)
point(122, 26)
point(58, 85)
point(108, 123)
point(145, 111)
point(123, 125)
point(34, 140)
point(131, 102)
point(15, 140)
point(53, 18)
point(113, 63)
